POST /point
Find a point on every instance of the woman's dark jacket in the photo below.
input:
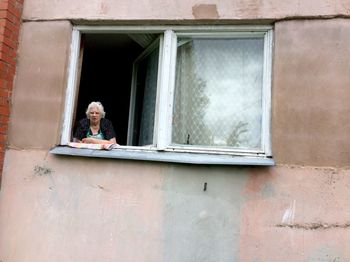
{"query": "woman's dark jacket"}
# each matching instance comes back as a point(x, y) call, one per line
point(83, 128)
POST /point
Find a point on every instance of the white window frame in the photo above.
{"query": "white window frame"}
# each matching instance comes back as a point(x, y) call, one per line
point(133, 93)
point(166, 83)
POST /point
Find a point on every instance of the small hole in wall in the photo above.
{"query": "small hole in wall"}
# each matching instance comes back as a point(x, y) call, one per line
point(205, 186)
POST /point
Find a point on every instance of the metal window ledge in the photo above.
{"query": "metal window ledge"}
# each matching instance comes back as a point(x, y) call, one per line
point(172, 157)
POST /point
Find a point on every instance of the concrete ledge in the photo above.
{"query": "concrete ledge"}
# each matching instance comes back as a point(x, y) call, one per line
point(172, 157)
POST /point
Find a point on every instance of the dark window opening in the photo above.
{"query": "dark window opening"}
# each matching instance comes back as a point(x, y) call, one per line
point(106, 76)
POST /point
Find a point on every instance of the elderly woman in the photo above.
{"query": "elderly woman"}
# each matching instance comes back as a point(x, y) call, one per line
point(95, 129)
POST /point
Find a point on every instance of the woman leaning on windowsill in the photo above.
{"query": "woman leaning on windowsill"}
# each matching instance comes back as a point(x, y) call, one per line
point(95, 129)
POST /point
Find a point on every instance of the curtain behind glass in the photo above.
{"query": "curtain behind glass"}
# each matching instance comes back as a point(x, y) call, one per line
point(218, 93)
point(148, 67)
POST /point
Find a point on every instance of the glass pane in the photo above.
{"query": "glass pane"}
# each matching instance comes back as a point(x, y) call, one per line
point(218, 92)
point(147, 82)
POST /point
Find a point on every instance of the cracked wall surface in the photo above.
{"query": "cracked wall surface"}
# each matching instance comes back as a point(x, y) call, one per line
point(305, 210)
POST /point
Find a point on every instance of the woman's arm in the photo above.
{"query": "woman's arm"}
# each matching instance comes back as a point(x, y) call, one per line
point(90, 140)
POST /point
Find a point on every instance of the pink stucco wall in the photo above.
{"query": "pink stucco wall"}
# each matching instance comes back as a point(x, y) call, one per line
point(311, 92)
point(183, 9)
point(107, 210)
point(84, 209)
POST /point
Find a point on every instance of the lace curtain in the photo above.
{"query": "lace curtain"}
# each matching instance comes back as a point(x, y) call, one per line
point(149, 69)
point(218, 92)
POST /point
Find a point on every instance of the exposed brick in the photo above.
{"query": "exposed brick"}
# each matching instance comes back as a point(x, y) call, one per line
point(3, 130)
point(12, 18)
point(3, 5)
point(3, 14)
point(4, 110)
point(7, 50)
point(3, 73)
point(2, 139)
point(5, 87)
point(16, 11)
point(3, 93)
point(4, 102)
point(9, 86)
point(6, 14)
point(4, 119)
point(11, 70)
point(9, 42)
point(10, 15)
point(4, 66)
point(4, 22)
point(7, 32)
point(16, 2)
point(8, 59)
point(2, 149)
point(2, 158)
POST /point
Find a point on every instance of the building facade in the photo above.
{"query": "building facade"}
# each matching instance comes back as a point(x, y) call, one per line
point(288, 200)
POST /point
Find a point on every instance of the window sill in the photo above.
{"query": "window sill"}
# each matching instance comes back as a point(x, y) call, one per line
point(172, 157)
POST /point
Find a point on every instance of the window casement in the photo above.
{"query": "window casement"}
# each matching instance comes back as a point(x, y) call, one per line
point(194, 90)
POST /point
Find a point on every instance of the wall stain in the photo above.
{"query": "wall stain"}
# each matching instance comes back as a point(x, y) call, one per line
point(205, 11)
point(100, 187)
point(313, 226)
point(42, 170)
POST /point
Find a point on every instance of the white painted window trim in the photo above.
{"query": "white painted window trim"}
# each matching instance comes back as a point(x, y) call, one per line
point(166, 87)
point(267, 87)
point(266, 94)
point(133, 92)
point(71, 86)
point(166, 82)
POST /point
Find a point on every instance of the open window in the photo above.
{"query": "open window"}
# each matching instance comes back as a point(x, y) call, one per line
point(176, 89)
point(143, 97)
point(106, 69)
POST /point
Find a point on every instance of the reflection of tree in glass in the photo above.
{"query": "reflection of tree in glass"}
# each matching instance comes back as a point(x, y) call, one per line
point(190, 101)
point(201, 134)
point(238, 130)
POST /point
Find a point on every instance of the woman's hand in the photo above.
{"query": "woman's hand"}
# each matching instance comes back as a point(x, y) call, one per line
point(90, 140)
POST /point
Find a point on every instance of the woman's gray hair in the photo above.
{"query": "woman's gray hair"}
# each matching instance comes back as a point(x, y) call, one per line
point(97, 105)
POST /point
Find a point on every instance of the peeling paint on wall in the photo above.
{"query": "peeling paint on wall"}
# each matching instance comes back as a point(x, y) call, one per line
point(289, 214)
point(203, 11)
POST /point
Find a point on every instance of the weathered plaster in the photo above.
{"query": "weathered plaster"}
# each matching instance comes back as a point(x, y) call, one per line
point(40, 83)
point(201, 212)
point(311, 94)
point(82, 210)
point(55, 208)
point(180, 10)
point(306, 209)
point(205, 12)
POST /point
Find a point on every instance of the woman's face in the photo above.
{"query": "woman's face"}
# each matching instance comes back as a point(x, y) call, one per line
point(94, 115)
